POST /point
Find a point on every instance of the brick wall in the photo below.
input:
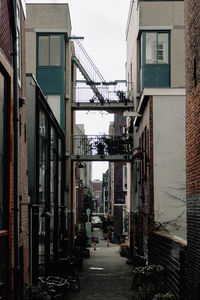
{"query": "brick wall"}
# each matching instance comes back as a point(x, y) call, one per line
point(5, 42)
point(192, 44)
point(23, 165)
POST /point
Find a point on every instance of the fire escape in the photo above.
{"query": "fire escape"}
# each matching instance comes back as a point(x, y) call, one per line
point(94, 93)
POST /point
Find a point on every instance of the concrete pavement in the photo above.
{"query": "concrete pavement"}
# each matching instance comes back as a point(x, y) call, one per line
point(105, 274)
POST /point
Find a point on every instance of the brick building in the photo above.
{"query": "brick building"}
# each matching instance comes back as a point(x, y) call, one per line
point(155, 68)
point(192, 40)
point(119, 188)
point(97, 196)
point(14, 231)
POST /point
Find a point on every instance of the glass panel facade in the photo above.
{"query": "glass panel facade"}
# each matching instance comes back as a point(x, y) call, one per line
point(43, 148)
point(151, 48)
point(53, 183)
point(42, 155)
point(43, 51)
point(1, 146)
point(55, 50)
point(157, 48)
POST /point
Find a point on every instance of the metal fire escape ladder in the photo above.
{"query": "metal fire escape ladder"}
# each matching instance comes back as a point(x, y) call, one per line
point(88, 69)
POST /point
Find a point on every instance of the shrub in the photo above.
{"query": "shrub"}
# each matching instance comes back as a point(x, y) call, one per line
point(167, 296)
point(36, 292)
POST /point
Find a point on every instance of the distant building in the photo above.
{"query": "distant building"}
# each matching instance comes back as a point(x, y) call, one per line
point(119, 185)
point(97, 196)
point(105, 192)
point(82, 175)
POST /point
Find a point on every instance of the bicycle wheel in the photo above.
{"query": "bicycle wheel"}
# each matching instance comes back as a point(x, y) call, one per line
point(74, 284)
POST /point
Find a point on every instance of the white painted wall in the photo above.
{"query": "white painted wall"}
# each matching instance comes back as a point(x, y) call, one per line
point(169, 163)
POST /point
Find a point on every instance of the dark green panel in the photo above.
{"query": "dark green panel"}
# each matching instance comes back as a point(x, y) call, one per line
point(51, 80)
point(156, 76)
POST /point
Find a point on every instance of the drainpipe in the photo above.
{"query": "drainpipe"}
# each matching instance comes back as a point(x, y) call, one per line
point(16, 150)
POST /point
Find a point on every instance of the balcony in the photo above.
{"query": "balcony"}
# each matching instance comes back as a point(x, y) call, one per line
point(102, 148)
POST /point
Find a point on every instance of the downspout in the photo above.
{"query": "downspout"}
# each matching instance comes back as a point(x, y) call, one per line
point(16, 149)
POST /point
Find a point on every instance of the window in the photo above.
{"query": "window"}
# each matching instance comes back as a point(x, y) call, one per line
point(54, 103)
point(124, 178)
point(157, 48)
point(49, 50)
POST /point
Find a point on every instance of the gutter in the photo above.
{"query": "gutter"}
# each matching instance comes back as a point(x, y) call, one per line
point(16, 149)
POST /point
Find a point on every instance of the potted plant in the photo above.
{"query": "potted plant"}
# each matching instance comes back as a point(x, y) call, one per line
point(122, 96)
point(36, 292)
point(167, 296)
point(100, 147)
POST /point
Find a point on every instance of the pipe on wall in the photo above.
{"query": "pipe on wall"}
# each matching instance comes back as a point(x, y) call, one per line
point(13, 8)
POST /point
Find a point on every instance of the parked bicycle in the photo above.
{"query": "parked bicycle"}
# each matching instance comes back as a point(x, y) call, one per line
point(56, 287)
point(66, 268)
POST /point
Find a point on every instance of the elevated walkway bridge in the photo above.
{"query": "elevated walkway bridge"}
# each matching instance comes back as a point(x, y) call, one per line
point(102, 148)
point(95, 93)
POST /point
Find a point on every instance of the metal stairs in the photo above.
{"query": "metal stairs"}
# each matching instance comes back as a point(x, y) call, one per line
point(96, 93)
point(88, 69)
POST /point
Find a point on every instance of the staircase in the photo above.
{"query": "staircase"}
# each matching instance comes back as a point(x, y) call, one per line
point(89, 71)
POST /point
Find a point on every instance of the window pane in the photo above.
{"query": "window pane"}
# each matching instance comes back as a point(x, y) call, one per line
point(43, 51)
point(54, 103)
point(55, 50)
point(151, 48)
point(162, 48)
point(1, 146)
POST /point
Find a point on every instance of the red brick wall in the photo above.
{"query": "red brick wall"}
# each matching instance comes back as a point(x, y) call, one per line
point(192, 38)
point(5, 42)
point(23, 166)
point(192, 44)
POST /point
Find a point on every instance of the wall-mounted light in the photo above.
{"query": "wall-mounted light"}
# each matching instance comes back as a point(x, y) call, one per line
point(138, 154)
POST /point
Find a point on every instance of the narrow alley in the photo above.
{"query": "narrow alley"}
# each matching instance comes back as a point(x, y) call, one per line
point(105, 274)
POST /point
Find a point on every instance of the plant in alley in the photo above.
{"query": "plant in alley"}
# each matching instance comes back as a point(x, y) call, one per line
point(36, 292)
point(167, 296)
point(149, 281)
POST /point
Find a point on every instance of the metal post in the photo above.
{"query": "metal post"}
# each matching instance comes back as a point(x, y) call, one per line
point(131, 211)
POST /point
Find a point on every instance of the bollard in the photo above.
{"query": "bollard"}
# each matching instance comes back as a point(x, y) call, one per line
point(107, 241)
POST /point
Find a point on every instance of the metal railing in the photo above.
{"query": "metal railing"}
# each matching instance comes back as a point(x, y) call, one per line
point(85, 60)
point(102, 144)
point(113, 92)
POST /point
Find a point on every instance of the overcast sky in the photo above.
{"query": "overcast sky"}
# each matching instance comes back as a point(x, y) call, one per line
point(102, 24)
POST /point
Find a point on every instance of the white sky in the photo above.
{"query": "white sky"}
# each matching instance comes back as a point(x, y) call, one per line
point(102, 24)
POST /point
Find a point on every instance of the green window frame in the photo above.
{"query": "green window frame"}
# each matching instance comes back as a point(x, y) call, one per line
point(157, 45)
point(49, 50)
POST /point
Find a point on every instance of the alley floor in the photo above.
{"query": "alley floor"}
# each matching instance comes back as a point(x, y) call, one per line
point(105, 274)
